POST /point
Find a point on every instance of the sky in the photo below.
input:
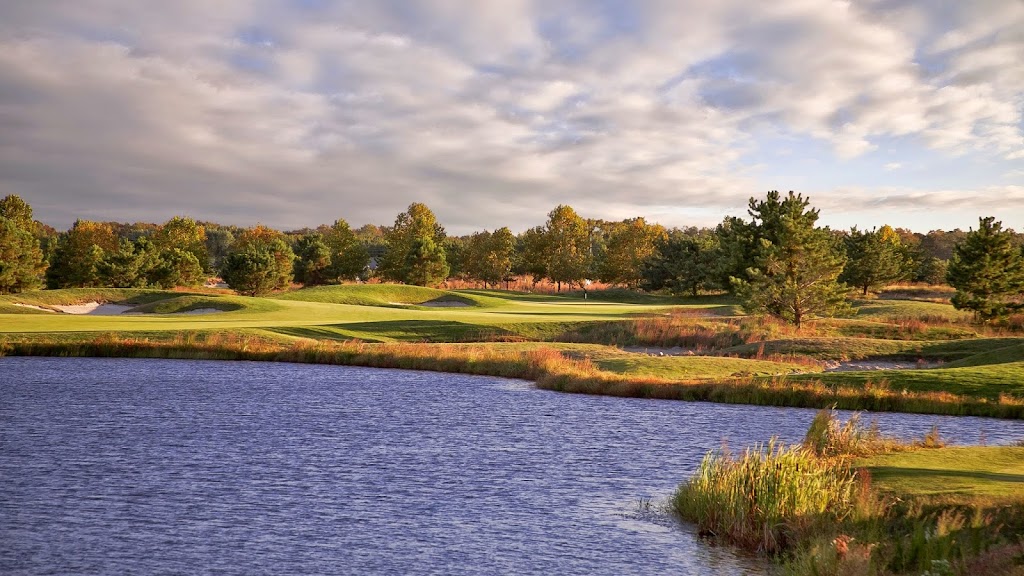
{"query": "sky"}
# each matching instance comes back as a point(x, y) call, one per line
point(294, 113)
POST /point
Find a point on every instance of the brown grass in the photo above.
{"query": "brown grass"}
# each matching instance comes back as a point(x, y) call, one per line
point(549, 368)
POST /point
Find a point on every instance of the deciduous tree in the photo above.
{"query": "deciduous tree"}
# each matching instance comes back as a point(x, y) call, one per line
point(567, 239)
point(78, 254)
point(628, 246)
point(407, 244)
point(348, 256)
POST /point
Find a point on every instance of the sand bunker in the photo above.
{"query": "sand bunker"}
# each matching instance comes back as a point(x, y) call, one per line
point(200, 311)
point(93, 309)
point(34, 307)
point(656, 351)
point(862, 365)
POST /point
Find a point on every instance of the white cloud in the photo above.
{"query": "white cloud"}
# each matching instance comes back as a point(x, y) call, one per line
point(273, 112)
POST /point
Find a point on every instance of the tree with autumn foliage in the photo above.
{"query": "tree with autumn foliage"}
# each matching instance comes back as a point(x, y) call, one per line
point(415, 248)
point(567, 238)
point(79, 253)
point(629, 244)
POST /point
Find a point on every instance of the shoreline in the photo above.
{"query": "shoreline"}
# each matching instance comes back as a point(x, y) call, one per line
point(547, 368)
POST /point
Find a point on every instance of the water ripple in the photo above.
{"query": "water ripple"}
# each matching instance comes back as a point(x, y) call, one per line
point(114, 466)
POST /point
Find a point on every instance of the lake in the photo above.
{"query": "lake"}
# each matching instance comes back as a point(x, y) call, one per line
point(114, 466)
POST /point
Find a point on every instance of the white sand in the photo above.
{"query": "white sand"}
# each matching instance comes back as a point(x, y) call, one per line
point(656, 351)
point(201, 311)
point(94, 309)
point(861, 365)
point(34, 307)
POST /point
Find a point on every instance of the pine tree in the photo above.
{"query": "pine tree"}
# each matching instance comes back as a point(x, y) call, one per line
point(875, 258)
point(987, 270)
point(795, 276)
point(684, 263)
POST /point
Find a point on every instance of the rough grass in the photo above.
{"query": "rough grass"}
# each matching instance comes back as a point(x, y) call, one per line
point(901, 509)
point(83, 295)
point(697, 367)
point(768, 498)
point(738, 359)
point(181, 304)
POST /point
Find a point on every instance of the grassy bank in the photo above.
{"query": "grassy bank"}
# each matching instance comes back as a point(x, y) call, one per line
point(615, 343)
point(564, 368)
point(848, 501)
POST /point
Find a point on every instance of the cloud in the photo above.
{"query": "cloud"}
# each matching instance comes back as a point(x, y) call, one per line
point(299, 113)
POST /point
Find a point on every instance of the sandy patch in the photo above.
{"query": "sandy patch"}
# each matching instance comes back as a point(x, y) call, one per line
point(94, 309)
point(198, 311)
point(34, 307)
point(862, 365)
point(655, 351)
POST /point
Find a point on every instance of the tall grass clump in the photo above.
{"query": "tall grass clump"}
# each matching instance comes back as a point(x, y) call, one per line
point(766, 498)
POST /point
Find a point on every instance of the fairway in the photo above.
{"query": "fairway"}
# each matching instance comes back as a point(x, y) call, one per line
point(630, 343)
point(374, 313)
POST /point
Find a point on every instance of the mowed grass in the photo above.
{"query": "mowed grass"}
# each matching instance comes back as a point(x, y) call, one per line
point(989, 382)
point(763, 357)
point(695, 367)
point(387, 313)
point(955, 472)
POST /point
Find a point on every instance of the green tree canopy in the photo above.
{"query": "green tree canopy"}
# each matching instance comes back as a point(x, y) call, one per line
point(251, 271)
point(407, 243)
point(987, 270)
point(183, 234)
point(79, 253)
point(312, 260)
point(261, 239)
point(684, 263)
point(567, 239)
point(348, 256)
point(628, 246)
point(531, 254)
point(875, 259)
point(22, 263)
point(425, 264)
point(796, 274)
point(489, 256)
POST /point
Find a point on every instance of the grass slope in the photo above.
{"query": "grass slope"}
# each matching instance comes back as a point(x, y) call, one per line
point(977, 471)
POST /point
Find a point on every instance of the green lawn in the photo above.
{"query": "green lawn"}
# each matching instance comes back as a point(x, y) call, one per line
point(978, 367)
point(985, 471)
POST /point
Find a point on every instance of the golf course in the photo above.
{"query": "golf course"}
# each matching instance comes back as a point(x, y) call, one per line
point(906, 350)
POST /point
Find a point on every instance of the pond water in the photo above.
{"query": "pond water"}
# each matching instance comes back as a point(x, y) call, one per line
point(112, 466)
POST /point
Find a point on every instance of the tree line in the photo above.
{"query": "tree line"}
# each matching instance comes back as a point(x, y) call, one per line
point(778, 260)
